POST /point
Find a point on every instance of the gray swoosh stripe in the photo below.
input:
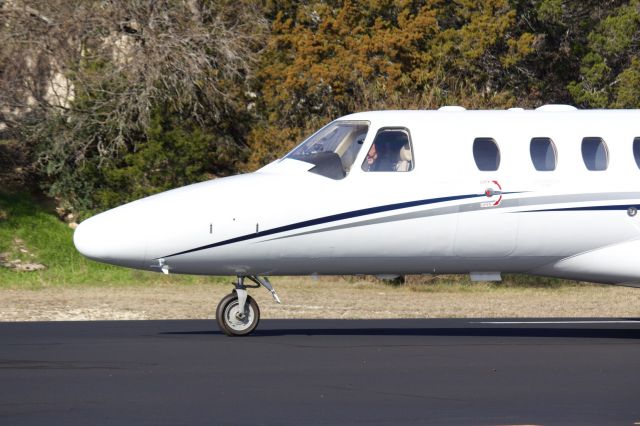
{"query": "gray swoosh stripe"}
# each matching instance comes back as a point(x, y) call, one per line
point(439, 211)
point(470, 207)
point(578, 198)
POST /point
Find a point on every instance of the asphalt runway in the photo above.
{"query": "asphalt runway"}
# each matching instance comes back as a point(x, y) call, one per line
point(322, 372)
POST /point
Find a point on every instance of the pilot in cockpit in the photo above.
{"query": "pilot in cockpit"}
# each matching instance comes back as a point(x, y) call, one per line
point(388, 153)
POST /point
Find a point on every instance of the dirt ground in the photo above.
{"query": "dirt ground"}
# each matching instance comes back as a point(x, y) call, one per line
point(309, 298)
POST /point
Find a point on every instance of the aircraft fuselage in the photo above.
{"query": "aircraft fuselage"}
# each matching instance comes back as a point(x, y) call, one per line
point(558, 207)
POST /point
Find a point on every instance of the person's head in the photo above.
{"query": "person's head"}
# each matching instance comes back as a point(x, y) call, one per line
point(372, 155)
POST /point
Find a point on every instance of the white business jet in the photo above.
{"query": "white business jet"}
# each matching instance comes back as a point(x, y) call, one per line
point(552, 192)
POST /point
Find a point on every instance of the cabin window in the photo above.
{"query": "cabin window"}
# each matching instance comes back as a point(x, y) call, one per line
point(594, 154)
point(486, 154)
point(390, 152)
point(636, 151)
point(543, 154)
point(333, 149)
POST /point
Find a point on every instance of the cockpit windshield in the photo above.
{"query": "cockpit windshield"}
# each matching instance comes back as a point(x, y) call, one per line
point(333, 149)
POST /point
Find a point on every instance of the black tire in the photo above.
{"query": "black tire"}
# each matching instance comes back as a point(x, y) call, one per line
point(229, 324)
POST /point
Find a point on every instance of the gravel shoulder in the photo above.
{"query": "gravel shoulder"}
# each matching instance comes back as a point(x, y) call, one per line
point(324, 298)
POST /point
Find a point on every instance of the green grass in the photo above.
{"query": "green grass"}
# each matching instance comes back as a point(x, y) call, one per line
point(50, 241)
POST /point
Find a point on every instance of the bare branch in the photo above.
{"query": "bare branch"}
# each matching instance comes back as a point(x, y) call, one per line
point(105, 65)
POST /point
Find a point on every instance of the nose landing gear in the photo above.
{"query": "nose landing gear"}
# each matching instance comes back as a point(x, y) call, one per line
point(238, 313)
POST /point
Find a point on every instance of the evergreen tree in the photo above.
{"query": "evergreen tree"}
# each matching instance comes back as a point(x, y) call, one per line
point(327, 59)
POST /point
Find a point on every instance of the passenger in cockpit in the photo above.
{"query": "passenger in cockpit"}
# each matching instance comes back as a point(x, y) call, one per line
point(369, 162)
point(385, 154)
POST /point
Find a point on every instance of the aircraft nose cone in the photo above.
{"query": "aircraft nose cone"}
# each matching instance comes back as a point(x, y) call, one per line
point(117, 237)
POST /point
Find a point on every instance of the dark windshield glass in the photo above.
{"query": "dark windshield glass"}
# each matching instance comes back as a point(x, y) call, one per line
point(333, 149)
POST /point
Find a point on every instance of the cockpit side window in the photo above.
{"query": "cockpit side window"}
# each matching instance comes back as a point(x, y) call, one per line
point(333, 149)
point(390, 152)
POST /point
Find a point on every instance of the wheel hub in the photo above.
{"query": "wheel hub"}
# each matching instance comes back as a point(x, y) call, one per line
point(237, 320)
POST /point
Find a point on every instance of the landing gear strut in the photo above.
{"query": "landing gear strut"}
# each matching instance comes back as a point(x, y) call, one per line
point(238, 314)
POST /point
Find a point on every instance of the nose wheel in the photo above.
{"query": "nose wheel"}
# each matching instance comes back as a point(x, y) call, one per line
point(237, 313)
point(234, 321)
